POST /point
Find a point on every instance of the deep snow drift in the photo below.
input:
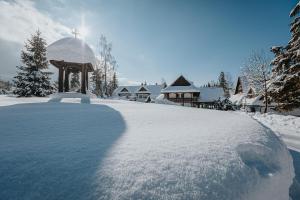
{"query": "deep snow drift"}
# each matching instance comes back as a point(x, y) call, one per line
point(123, 150)
point(287, 127)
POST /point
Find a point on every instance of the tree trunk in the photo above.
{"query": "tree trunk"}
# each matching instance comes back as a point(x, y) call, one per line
point(266, 96)
point(105, 77)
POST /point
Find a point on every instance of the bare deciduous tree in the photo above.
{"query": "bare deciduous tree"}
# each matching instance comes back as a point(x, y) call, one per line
point(105, 59)
point(257, 70)
point(106, 66)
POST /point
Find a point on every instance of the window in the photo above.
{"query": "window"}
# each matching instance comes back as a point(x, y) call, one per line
point(172, 95)
point(187, 95)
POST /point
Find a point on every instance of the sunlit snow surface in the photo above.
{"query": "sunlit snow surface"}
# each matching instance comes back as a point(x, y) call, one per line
point(287, 127)
point(127, 150)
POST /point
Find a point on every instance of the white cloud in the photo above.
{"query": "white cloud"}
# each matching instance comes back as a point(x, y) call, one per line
point(19, 19)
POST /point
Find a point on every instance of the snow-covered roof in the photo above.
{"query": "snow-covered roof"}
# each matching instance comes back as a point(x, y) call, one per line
point(187, 86)
point(182, 89)
point(244, 82)
point(241, 99)
point(237, 99)
point(71, 50)
point(131, 89)
point(209, 94)
point(154, 90)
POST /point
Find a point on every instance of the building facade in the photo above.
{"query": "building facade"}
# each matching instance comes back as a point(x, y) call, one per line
point(245, 96)
point(184, 92)
point(142, 93)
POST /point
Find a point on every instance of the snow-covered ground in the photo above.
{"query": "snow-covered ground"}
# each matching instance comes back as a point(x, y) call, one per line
point(287, 127)
point(112, 149)
point(6, 100)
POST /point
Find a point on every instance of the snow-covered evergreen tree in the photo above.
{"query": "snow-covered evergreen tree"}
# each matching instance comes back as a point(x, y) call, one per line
point(97, 82)
point(75, 83)
point(32, 79)
point(223, 83)
point(112, 85)
point(114, 82)
point(229, 80)
point(5, 87)
point(163, 83)
point(285, 84)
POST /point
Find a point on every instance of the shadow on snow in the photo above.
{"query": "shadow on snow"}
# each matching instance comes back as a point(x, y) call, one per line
point(295, 188)
point(53, 150)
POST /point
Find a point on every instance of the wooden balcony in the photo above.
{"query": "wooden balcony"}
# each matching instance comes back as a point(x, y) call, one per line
point(185, 100)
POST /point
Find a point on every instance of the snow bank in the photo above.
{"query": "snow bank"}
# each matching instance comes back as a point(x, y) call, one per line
point(287, 127)
point(171, 152)
point(126, 150)
point(85, 98)
point(52, 150)
point(7, 100)
point(161, 100)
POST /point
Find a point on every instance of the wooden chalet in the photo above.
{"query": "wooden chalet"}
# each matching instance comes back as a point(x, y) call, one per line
point(241, 85)
point(143, 92)
point(251, 93)
point(124, 92)
point(246, 97)
point(182, 91)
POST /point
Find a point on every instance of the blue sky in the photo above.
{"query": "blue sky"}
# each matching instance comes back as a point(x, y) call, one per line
point(163, 39)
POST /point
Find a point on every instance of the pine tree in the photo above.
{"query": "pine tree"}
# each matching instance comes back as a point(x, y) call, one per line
point(97, 78)
point(75, 83)
point(163, 83)
point(285, 84)
point(112, 85)
point(223, 84)
point(31, 79)
point(114, 82)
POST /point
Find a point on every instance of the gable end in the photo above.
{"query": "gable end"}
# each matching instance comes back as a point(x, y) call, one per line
point(124, 90)
point(181, 81)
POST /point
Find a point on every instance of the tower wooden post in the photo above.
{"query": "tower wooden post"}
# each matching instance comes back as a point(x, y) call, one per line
point(83, 79)
point(87, 79)
point(60, 79)
point(66, 82)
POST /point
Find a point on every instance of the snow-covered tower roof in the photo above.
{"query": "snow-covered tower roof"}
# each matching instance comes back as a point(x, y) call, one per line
point(72, 50)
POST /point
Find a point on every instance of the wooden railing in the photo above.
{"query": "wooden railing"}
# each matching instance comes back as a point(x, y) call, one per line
point(180, 100)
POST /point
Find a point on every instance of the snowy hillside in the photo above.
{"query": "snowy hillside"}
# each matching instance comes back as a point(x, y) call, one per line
point(123, 150)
